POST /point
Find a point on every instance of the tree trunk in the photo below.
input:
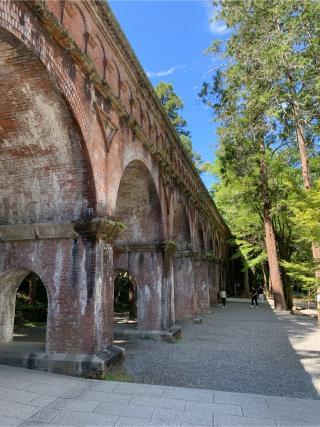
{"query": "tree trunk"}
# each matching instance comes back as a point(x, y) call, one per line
point(265, 279)
point(302, 144)
point(31, 291)
point(287, 290)
point(275, 276)
point(246, 283)
point(270, 239)
point(316, 257)
point(306, 176)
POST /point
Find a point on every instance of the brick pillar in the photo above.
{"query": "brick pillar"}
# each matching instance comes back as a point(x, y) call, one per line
point(213, 279)
point(201, 284)
point(184, 286)
point(152, 268)
point(74, 262)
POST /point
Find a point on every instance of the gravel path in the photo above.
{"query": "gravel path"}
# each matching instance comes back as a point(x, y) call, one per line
point(237, 349)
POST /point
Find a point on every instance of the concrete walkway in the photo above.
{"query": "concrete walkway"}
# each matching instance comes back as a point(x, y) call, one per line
point(31, 398)
point(238, 349)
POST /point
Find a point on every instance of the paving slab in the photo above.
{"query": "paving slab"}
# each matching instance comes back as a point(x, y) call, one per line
point(7, 421)
point(17, 410)
point(124, 409)
point(158, 402)
point(189, 394)
point(230, 420)
point(136, 422)
point(126, 404)
point(74, 418)
point(215, 408)
point(191, 417)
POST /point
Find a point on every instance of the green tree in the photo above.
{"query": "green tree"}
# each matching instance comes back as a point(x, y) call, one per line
point(271, 64)
point(277, 43)
point(172, 105)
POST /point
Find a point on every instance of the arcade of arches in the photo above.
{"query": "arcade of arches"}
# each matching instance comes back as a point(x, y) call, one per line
point(95, 185)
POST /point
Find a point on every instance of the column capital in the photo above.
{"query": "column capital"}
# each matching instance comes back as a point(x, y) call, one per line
point(105, 228)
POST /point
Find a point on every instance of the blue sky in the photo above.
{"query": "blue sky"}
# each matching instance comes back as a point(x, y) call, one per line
point(169, 38)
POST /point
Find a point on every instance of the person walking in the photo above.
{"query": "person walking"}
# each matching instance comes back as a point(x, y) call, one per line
point(223, 296)
point(261, 296)
point(254, 297)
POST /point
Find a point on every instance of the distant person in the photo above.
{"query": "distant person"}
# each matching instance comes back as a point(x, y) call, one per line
point(254, 297)
point(223, 297)
point(261, 296)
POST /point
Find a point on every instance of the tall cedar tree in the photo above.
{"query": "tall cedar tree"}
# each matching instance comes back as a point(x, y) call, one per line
point(275, 42)
point(172, 105)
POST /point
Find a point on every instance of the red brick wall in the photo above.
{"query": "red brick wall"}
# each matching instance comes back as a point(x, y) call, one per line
point(61, 166)
point(184, 288)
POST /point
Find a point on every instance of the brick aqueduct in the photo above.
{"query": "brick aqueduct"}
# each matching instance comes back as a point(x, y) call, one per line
point(85, 149)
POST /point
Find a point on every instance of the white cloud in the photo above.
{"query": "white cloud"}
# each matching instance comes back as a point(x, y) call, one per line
point(164, 73)
point(215, 26)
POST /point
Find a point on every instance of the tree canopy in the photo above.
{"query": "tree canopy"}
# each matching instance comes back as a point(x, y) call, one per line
point(173, 105)
point(265, 98)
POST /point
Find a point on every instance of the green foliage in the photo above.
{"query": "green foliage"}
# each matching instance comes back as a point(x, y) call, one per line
point(263, 95)
point(303, 274)
point(118, 376)
point(172, 105)
point(306, 211)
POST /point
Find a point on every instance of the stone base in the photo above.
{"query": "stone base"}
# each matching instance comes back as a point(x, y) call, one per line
point(170, 335)
point(82, 365)
point(206, 311)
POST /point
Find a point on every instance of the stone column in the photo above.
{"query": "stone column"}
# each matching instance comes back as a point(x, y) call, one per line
point(202, 284)
point(184, 286)
point(151, 266)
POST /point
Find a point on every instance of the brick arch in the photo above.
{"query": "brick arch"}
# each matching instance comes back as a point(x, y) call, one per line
point(126, 94)
point(181, 233)
point(74, 20)
point(10, 280)
point(98, 55)
point(199, 240)
point(210, 243)
point(113, 76)
point(44, 161)
point(138, 204)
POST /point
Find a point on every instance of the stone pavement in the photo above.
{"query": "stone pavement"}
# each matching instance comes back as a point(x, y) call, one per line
point(33, 398)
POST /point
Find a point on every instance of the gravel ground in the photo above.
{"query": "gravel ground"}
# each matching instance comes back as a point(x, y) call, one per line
point(237, 349)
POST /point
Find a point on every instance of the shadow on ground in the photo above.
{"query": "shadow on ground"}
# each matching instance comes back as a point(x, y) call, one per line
point(238, 349)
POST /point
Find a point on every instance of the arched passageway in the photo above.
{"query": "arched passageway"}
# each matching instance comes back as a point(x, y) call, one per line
point(30, 320)
point(125, 299)
point(23, 314)
point(138, 250)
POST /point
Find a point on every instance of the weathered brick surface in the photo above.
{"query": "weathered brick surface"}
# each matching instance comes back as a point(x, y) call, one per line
point(83, 136)
point(184, 288)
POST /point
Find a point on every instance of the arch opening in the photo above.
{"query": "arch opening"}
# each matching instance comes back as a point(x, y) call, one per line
point(125, 299)
point(138, 205)
point(31, 311)
point(200, 239)
point(23, 310)
point(181, 228)
point(137, 250)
